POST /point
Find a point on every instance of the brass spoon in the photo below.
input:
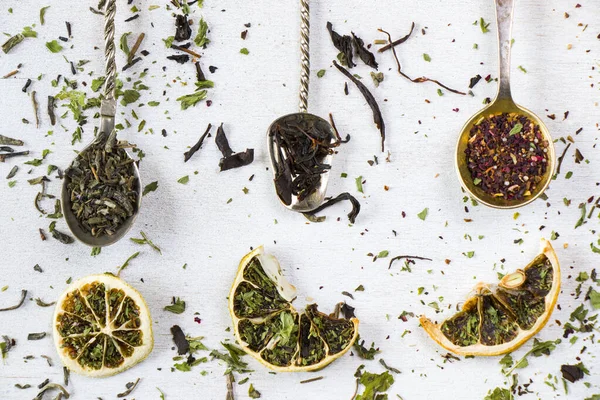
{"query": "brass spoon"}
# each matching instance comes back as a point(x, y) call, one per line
point(315, 199)
point(106, 133)
point(503, 103)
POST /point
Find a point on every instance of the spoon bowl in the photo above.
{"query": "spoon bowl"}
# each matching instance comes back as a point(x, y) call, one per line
point(505, 105)
point(77, 230)
point(290, 201)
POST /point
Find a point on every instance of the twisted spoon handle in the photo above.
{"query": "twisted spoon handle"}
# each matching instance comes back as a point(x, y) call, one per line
point(305, 54)
point(504, 16)
point(109, 49)
point(108, 107)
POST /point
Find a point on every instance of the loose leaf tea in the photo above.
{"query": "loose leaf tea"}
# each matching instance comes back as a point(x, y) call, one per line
point(188, 154)
point(343, 44)
point(365, 55)
point(183, 30)
point(302, 143)
point(507, 155)
point(230, 159)
point(377, 117)
point(103, 187)
point(343, 196)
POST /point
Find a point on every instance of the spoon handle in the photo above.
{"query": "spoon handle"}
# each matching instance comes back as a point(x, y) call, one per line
point(305, 54)
point(504, 16)
point(109, 104)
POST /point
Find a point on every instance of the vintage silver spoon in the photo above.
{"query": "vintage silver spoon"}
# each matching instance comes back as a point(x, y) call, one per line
point(106, 134)
point(316, 198)
point(503, 103)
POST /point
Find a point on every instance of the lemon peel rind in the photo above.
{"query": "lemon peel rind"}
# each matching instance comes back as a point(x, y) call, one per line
point(259, 251)
point(433, 330)
point(140, 353)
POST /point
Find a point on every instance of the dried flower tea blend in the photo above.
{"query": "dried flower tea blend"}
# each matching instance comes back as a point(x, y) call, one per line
point(507, 155)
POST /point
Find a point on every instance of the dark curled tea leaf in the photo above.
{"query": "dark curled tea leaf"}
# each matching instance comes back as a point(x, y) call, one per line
point(130, 388)
point(341, 197)
point(23, 295)
point(183, 346)
point(474, 80)
point(41, 385)
point(230, 159)
point(188, 154)
point(180, 58)
point(343, 44)
point(377, 117)
point(365, 55)
point(572, 373)
point(183, 30)
point(36, 336)
point(222, 142)
point(407, 257)
point(62, 237)
point(66, 375)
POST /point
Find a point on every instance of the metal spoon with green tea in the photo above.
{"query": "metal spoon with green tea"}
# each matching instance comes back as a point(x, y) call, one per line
point(101, 192)
point(503, 104)
point(301, 144)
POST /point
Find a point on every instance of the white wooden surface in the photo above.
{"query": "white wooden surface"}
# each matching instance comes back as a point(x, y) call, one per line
point(194, 223)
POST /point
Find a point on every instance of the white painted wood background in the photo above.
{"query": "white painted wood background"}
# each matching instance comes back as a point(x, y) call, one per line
point(195, 225)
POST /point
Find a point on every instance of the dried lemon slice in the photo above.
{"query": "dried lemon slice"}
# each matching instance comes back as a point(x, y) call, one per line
point(270, 329)
point(499, 321)
point(102, 326)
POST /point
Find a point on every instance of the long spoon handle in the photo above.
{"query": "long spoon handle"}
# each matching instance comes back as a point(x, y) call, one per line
point(109, 104)
point(305, 54)
point(504, 16)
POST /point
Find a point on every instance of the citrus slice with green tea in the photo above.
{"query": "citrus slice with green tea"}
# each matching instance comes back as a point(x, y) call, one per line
point(102, 326)
point(499, 319)
point(270, 329)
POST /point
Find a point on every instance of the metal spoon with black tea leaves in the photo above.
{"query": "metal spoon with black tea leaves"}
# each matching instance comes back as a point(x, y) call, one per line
point(119, 203)
point(305, 191)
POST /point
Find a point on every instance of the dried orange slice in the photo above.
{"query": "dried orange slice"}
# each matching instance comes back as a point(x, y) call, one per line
point(499, 320)
point(270, 329)
point(102, 326)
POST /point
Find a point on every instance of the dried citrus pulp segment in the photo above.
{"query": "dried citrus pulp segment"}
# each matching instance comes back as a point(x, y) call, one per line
point(102, 326)
point(270, 329)
point(499, 320)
